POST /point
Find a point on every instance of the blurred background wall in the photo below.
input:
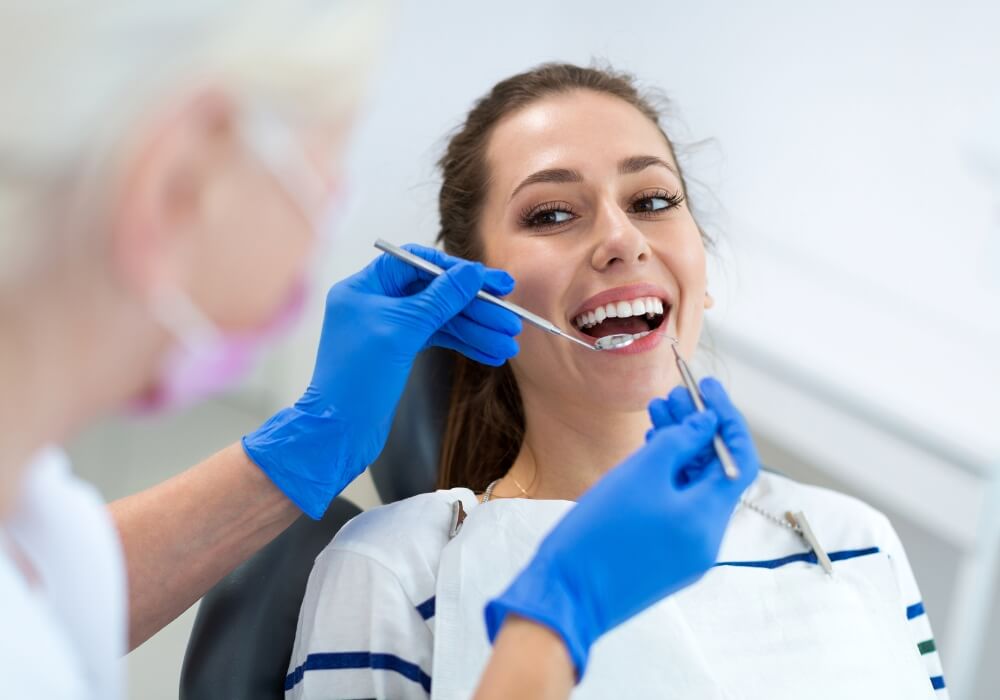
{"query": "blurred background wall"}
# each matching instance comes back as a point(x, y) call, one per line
point(847, 157)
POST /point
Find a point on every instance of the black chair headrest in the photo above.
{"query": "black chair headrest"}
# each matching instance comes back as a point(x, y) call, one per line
point(409, 463)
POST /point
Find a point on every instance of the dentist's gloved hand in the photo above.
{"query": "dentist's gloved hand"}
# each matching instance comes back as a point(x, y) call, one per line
point(678, 406)
point(375, 324)
point(648, 528)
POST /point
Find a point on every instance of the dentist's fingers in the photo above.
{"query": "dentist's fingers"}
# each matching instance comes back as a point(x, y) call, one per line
point(732, 426)
point(735, 433)
point(445, 297)
point(497, 281)
point(491, 348)
point(399, 278)
point(713, 483)
point(680, 404)
point(441, 339)
point(684, 442)
point(492, 316)
point(672, 410)
point(659, 414)
point(486, 340)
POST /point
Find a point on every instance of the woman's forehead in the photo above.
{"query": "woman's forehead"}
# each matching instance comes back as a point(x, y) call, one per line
point(583, 130)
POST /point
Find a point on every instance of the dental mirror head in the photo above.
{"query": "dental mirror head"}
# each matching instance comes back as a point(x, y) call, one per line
point(622, 340)
point(616, 341)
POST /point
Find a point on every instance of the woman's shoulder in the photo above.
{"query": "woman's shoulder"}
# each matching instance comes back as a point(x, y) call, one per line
point(406, 523)
point(402, 537)
point(842, 517)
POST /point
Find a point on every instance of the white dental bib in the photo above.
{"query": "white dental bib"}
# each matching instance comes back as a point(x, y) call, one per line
point(741, 632)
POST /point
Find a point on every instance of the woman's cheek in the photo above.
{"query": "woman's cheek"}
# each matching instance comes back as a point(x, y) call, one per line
point(535, 287)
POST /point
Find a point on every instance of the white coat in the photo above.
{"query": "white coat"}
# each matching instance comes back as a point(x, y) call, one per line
point(62, 590)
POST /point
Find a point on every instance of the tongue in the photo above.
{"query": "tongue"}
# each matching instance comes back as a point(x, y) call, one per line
point(611, 326)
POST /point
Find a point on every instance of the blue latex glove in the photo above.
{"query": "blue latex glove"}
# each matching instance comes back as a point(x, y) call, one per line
point(678, 406)
point(374, 325)
point(648, 528)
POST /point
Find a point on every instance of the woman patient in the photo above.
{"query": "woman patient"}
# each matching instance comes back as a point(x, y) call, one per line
point(564, 177)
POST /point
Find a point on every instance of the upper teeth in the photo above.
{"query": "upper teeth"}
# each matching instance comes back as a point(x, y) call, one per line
point(644, 306)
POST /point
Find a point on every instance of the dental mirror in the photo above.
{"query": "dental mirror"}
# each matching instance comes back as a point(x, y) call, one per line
point(617, 340)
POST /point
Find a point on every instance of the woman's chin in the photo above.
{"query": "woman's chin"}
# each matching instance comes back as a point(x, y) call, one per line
point(629, 388)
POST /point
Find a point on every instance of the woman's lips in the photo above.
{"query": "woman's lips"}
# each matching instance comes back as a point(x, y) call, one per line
point(649, 341)
point(624, 293)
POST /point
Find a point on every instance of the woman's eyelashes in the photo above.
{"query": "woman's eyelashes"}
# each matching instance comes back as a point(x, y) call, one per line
point(648, 204)
point(547, 216)
point(655, 202)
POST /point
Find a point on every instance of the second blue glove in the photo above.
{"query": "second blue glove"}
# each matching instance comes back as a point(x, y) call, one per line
point(649, 527)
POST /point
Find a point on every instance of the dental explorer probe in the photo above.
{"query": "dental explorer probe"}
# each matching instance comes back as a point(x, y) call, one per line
point(610, 342)
point(725, 456)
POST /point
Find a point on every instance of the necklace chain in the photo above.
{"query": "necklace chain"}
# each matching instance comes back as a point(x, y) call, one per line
point(770, 516)
point(488, 493)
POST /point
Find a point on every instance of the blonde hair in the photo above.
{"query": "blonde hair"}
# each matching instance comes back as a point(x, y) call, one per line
point(77, 76)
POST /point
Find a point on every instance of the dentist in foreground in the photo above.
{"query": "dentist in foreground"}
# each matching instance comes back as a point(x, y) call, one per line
point(165, 170)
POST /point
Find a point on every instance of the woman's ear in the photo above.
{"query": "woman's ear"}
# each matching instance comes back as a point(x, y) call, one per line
point(709, 300)
point(161, 203)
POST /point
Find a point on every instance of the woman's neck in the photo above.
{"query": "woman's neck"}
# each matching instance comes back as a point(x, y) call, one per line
point(568, 446)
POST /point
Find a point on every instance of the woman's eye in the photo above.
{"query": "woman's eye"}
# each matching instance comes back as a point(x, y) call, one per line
point(651, 204)
point(655, 203)
point(547, 216)
point(551, 218)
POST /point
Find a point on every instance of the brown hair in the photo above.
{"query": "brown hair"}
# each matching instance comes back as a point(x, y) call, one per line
point(485, 425)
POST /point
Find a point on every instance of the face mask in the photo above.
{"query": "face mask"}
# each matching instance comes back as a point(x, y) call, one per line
point(205, 359)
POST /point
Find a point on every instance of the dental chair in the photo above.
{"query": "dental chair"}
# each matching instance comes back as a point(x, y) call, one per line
point(242, 637)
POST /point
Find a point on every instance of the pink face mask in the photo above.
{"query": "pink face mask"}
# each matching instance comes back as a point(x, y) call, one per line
point(207, 360)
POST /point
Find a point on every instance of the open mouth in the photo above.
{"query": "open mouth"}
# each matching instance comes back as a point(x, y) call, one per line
point(635, 316)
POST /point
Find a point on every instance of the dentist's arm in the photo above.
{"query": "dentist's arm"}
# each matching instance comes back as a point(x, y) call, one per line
point(182, 536)
point(647, 529)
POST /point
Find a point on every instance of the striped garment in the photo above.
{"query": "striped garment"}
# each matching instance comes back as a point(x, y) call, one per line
point(367, 624)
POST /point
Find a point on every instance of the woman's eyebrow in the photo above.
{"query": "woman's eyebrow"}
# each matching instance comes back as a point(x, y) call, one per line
point(627, 166)
point(634, 164)
point(559, 175)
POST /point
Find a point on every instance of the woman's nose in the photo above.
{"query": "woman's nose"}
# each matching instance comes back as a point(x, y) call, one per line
point(620, 242)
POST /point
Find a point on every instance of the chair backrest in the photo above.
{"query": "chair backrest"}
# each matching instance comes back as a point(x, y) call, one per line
point(242, 637)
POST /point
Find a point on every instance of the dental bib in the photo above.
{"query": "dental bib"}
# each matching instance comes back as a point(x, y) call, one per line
point(740, 632)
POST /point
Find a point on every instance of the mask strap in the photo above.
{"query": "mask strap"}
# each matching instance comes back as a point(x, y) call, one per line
point(189, 325)
point(279, 148)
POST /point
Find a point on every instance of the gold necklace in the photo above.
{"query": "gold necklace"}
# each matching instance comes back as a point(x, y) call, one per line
point(488, 493)
point(524, 491)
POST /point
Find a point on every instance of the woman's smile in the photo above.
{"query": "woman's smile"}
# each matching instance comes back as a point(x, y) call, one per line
point(631, 309)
